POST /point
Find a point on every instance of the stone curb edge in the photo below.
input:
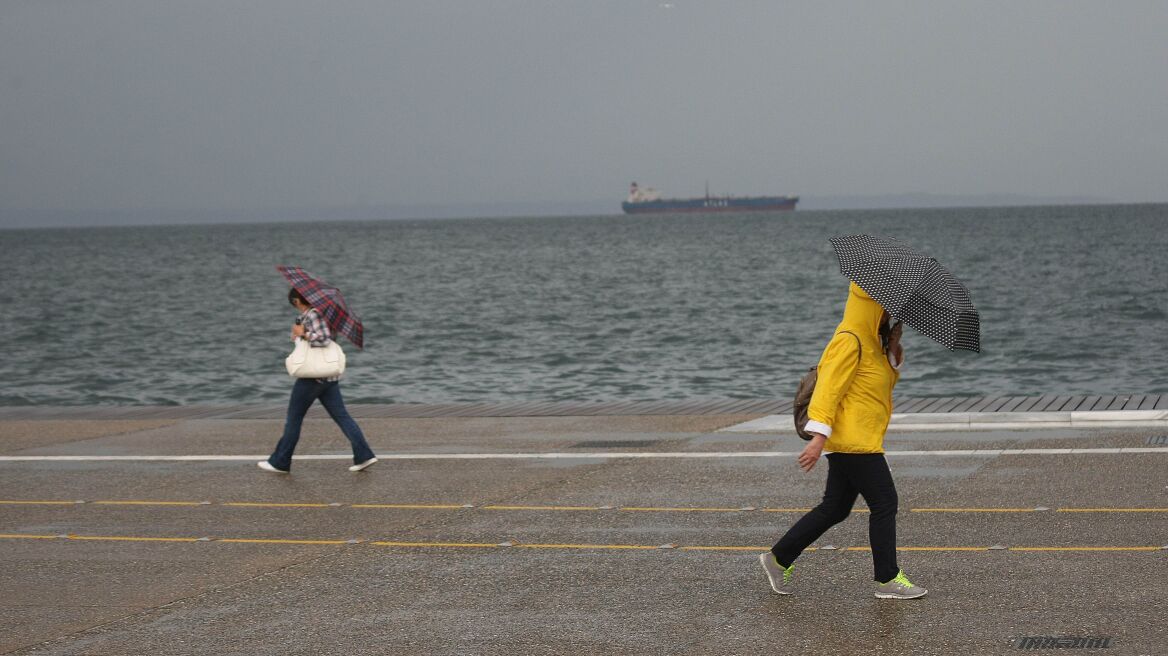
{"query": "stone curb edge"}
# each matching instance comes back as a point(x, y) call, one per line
point(944, 421)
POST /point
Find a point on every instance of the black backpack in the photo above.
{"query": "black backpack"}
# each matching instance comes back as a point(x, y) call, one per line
point(807, 388)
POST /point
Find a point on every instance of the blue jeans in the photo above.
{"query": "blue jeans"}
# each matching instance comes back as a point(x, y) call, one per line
point(304, 392)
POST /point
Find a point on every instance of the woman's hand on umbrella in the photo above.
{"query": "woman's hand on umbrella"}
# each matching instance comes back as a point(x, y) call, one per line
point(810, 454)
point(297, 330)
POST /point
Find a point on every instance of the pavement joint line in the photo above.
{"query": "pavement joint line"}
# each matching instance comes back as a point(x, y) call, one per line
point(586, 455)
point(565, 545)
point(499, 507)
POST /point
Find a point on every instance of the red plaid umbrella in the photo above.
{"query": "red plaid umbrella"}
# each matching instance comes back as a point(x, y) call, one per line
point(328, 301)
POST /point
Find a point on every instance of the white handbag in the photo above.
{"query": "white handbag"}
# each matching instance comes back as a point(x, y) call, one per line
point(307, 361)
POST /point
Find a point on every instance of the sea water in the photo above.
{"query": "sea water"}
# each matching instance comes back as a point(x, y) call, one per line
point(1073, 300)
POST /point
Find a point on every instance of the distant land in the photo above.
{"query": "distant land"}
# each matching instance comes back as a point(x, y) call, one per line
point(40, 218)
point(923, 200)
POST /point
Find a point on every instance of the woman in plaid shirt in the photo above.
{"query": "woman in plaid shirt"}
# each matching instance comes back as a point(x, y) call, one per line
point(312, 327)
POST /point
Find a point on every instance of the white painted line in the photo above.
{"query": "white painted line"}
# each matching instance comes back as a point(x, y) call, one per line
point(644, 455)
point(962, 421)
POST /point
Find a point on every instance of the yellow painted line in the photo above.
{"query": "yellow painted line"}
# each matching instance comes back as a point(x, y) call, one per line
point(38, 503)
point(935, 548)
point(252, 504)
point(540, 508)
point(384, 543)
point(586, 546)
point(146, 503)
point(920, 548)
point(489, 545)
point(278, 541)
point(974, 510)
point(758, 549)
point(651, 509)
point(1113, 510)
point(127, 538)
point(408, 506)
point(1085, 549)
point(802, 510)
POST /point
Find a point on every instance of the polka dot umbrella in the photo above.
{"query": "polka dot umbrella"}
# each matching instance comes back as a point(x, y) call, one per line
point(913, 287)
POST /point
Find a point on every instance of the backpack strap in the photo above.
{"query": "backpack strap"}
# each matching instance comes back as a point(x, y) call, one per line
point(860, 355)
point(807, 387)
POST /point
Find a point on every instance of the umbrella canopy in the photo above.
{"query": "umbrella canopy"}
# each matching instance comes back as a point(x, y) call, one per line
point(914, 288)
point(328, 301)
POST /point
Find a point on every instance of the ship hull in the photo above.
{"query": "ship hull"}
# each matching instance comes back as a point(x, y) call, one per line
point(710, 205)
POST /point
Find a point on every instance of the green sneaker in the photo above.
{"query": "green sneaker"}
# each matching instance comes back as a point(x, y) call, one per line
point(900, 588)
point(779, 576)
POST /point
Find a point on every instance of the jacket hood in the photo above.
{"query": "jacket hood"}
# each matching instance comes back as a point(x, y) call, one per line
point(862, 314)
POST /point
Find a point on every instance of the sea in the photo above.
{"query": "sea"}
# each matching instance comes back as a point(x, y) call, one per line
point(1073, 300)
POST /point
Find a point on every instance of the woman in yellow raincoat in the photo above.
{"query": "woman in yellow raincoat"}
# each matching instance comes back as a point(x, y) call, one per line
point(848, 416)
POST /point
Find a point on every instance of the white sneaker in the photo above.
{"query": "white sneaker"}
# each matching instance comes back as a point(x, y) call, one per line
point(900, 588)
point(779, 576)
point(267, 466)
point(362, 465)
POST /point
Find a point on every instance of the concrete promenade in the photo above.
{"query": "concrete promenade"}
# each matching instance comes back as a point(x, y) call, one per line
point(152, 532)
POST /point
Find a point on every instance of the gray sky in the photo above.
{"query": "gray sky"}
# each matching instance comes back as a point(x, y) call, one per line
point(249, 104)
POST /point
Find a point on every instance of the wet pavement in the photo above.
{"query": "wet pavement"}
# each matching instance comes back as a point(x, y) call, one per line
point(604, 555)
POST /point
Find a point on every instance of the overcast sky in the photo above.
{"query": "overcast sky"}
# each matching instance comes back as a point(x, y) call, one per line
point(248, 104)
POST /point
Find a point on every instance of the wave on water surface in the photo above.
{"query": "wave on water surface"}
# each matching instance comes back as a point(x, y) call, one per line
point(1072, 301)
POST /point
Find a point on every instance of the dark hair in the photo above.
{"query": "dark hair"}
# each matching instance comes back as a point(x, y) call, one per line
point(294, 295)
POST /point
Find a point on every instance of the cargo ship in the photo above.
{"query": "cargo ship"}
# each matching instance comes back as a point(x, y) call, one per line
point(646, 200)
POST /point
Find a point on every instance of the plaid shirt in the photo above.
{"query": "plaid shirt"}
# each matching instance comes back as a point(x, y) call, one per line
point(316, 331)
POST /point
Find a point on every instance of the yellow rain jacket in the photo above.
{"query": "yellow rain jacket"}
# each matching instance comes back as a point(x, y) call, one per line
point(852, 402)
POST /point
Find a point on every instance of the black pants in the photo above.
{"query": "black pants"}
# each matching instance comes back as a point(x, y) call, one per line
point(849, 474)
